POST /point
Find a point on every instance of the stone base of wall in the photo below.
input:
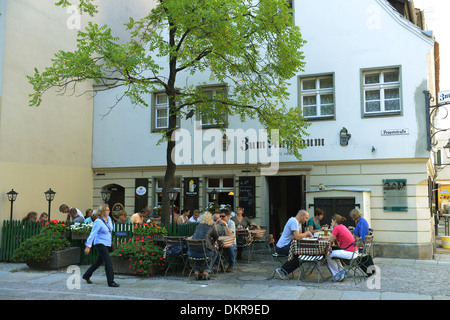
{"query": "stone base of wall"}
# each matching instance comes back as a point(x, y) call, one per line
point(404, 251)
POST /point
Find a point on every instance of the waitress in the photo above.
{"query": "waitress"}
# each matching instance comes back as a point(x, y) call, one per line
point(101, 237)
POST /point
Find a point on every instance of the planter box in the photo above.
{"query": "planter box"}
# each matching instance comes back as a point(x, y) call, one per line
point(60, 259)
point(80, 236)
point(122, 266)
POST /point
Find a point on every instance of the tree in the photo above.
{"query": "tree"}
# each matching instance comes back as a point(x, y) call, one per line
point(252, 46)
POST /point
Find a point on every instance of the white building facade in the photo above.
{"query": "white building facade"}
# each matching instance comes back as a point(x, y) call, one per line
point(362, 90)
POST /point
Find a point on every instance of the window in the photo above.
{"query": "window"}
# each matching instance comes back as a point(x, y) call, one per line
point(317, 97)
point(158, 185)
point(212, 92)
point(161, 111)
point(381, 92)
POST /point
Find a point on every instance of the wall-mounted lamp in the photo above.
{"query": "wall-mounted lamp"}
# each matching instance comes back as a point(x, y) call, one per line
point(344, 137)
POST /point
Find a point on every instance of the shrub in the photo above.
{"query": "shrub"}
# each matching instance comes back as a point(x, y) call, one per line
point(39, 247)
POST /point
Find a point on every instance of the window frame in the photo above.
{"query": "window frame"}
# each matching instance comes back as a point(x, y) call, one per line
point(154, 109)
point(213, 88)
point(381, 86)
point(317, 92)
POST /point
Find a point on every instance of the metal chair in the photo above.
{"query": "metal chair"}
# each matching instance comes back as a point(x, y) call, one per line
point(244, 240)
point(176, 250)
point(200, 247)
point(316, 258)
point(350, 263)
point(364, 253)
point(261, 245)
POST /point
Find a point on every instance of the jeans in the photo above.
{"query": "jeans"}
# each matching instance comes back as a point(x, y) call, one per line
point(103, 256)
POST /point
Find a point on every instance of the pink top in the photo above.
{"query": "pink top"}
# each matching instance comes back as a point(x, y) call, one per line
point(344, 236)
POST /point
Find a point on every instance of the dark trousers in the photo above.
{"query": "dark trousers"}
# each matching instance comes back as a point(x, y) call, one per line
point(289, 266)
point(103, 256)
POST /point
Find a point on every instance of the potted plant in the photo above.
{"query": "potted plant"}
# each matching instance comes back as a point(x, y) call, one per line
point(157, 211)
point(81, 231)
point(139, 257)
point(47, 251)
point(150, 230)
point(56, 226)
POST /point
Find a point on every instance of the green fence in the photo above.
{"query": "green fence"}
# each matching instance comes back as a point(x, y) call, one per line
point(15, 232)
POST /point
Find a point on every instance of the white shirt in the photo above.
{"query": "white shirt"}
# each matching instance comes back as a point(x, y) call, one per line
point(288, 231)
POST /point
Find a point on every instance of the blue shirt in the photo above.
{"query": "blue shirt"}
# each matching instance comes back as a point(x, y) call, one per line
point(361, 229)
point(100, 233)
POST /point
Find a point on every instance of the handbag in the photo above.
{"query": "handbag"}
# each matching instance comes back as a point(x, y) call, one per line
point(113, 246)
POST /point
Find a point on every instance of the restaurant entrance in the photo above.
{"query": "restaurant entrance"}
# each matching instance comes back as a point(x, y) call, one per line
point(286, 197)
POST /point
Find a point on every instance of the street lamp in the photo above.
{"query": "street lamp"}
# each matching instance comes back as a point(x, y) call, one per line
point(106, 195)
point(172, 197)
point(12, 196)
point(49, 196)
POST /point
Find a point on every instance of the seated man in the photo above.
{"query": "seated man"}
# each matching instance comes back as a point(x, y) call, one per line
point(292, 230)
point(139, 217)
point(226, 227)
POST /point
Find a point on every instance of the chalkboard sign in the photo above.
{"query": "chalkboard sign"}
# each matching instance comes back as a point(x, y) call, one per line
point(247, 196)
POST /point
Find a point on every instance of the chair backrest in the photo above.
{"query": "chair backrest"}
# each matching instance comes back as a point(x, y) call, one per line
point(243, 238)
point(175, 240)
point(368, 242)
point(197, 244)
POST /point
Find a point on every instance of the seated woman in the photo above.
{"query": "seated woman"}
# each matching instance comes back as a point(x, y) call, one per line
point(362, 227)
point(346, 243)
point(313, 223)
point(204, 231)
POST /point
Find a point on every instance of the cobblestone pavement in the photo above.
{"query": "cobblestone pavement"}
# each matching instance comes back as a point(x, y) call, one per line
point(398, 279)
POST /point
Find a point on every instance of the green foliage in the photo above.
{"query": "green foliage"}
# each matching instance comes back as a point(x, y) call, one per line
point(39, 247)
point(145, 257)
point(55, 226)
point(252, 47)
point(149, 229)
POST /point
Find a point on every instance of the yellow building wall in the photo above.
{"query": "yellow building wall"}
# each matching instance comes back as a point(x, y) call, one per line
point(47, 146)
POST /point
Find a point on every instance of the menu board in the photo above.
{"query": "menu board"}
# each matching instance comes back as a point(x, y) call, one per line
point(247, 196)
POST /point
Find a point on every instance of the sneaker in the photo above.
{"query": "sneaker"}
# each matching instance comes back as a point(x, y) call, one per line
point(281, 274)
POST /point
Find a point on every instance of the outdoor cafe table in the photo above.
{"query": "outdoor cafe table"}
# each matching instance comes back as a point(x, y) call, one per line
point(308, 247)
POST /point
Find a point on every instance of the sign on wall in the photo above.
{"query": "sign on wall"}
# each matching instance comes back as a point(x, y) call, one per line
point(395, 195)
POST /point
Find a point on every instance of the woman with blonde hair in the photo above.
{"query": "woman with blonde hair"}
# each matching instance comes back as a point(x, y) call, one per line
point(346, 242)
point(204, 231)
point(101, 237)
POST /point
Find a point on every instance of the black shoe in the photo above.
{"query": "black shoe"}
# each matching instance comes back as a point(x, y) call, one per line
point(198, 277)
point(115, 285)
point(87, 279)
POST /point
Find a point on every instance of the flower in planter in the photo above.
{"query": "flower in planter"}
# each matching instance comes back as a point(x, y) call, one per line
point(55, 226)
point(81, 227)
point(145, 257)
point(149, 229)
point(158, 210)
